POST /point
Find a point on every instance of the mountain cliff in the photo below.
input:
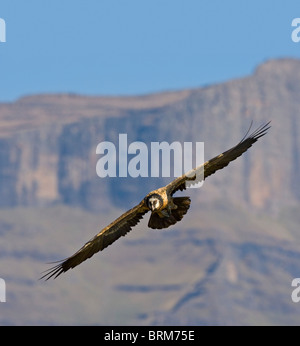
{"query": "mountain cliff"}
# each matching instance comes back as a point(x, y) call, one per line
point(48, 142)
point(232, 258)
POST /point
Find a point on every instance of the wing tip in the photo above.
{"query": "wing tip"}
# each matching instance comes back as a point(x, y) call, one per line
point(261, 131)
point(256, 134)
point(53, 272)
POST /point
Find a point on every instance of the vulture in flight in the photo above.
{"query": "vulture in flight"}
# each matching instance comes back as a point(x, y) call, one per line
point(165, 209)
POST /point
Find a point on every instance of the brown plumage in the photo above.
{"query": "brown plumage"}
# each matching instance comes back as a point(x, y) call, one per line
point(166, 210)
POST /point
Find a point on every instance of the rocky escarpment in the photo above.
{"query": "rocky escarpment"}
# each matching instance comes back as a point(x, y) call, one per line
point(48, 142)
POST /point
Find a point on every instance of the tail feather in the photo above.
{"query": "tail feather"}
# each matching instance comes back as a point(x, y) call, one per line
point(158, 222)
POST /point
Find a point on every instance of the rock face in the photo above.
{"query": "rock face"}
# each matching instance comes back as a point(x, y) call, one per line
point(48, 142)
point(232, 258)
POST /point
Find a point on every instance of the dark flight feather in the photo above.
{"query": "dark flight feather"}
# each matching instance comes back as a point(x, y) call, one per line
point(120, 227)
point(211, 166)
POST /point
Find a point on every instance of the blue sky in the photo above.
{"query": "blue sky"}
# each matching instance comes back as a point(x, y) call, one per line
point(128, 47)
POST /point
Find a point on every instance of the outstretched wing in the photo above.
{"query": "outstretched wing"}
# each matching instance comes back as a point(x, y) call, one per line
point(104, 238)
point(210, 167)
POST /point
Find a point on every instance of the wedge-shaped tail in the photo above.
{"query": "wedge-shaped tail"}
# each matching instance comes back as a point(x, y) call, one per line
point(157, 222)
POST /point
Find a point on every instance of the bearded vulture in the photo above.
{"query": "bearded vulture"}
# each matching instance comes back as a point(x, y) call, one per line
point(165, 209)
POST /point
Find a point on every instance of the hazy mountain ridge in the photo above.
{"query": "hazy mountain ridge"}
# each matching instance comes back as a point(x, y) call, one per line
point(230, 260)
point(53, 157)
